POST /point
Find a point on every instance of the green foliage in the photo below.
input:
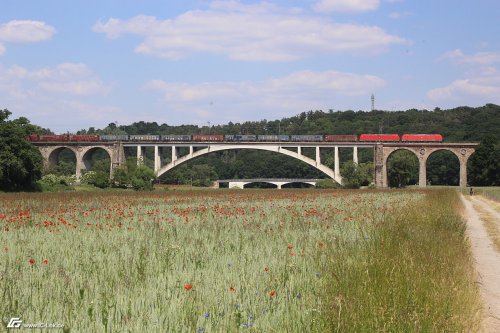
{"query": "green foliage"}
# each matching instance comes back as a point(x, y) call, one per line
point(54, 183)
point(484, 164)
point(142, 178)
point(120, 178)
point(101, 179)
point(459, 124)
point(327, 184)
point(402, 169)
point(443, 168)
point(88, 177)
point(356, 175)
point(20, 162)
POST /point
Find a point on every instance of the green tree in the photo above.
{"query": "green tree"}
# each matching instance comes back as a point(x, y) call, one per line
point(402, 169)
point(142, 178)
point(351, 176)
point(120, 178)
point(21, 163)
point(203, 175)
point(484, 165)
point(356, 175)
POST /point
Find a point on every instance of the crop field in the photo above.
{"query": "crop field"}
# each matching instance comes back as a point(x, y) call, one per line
point(237, 261)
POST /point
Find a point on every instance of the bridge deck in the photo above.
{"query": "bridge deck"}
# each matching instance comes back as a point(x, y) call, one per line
point(267, 180)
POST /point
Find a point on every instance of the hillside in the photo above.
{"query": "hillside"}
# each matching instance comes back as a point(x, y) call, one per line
point(456, 125)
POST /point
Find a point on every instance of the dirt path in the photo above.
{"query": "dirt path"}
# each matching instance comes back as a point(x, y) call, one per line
point(487, 262)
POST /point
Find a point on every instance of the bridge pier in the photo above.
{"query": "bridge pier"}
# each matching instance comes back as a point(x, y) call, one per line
point(158, 152)
point(337, 164)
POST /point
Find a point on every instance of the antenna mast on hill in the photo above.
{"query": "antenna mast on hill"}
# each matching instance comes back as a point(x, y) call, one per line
point(373, 102)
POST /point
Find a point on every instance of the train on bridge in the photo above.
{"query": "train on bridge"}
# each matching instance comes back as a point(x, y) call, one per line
point(241, 138)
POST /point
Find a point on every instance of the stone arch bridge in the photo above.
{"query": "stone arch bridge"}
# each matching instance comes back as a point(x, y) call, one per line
point(382, 151)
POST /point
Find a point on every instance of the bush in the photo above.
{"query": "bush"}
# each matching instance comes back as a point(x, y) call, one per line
point(142, 178)
point(101, 179)
point(53, 183)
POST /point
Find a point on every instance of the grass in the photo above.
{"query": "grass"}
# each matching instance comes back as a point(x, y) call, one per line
point(262, 261)
point(416, 276)
point(492, 193)
point(491, 224)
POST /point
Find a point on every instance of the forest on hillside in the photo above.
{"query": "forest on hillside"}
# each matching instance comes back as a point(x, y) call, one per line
point(461, 124)
point(21, 164)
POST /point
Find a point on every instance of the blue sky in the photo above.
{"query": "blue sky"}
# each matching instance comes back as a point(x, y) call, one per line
point(68, 65)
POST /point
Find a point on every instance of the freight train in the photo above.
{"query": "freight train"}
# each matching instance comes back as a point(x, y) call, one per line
point(243, 138)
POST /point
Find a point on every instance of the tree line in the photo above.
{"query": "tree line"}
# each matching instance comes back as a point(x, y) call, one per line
point(21, 165)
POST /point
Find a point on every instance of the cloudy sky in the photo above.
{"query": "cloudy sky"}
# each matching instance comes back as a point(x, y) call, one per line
point(68, 65)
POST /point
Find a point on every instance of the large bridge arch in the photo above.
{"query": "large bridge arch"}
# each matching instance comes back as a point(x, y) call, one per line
point(277, 149)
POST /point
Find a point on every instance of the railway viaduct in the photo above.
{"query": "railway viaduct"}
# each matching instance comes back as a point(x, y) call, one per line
point(382, 150)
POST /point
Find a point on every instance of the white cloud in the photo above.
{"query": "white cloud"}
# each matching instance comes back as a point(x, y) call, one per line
point(56, 97)
point(480, 58)
point(483, 88)
point(297, 92)
point(346, 5)
point(399, 15)
point(259, 32)
point(479, 84)
point(66, 78)
point(25, 31)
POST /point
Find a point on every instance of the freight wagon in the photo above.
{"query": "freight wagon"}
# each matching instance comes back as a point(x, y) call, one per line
point(210, 137)
point(341, 138)
point(306, 138)
point(379, 137)
point(239, 137)
point(176, 137)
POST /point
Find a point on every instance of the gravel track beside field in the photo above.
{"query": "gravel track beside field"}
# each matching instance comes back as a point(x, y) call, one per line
point(487, 261)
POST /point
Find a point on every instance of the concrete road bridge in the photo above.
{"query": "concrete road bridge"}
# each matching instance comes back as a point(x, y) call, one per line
point(382, 150)
point(279, 182)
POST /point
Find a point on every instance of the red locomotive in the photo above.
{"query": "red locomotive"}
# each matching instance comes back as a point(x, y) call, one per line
point(422, 138)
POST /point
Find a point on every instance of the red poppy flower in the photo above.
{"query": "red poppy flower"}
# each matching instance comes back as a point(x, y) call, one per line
point(231, 289)
point(188, 286)
point(290, 247)
point(272, 293)
point(45, 261)
point(292, 253)
point(32, 261)
point(321, 244)
point(266, 269)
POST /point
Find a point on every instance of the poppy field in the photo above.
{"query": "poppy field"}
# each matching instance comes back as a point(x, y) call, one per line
point(237, 261)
